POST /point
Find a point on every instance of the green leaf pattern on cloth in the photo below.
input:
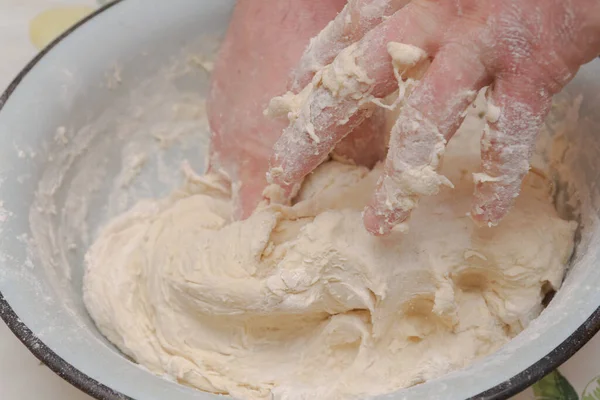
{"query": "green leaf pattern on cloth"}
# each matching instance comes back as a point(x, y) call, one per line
point(592, 390)
point(554, 386)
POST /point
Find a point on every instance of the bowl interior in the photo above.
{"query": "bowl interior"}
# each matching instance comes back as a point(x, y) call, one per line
point(105, 118)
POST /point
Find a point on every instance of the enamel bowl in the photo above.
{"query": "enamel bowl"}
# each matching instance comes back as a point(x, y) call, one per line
point(105, 114)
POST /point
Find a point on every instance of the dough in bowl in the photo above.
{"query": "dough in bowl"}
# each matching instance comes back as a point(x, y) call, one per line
point(300, 302)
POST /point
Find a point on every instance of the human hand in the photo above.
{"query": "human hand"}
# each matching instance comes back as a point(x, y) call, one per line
point(264, 42)
point(526, 50)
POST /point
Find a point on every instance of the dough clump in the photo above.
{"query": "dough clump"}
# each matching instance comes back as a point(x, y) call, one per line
point(300, 302)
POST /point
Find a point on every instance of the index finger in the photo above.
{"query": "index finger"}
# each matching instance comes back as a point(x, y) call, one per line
point(350, 25)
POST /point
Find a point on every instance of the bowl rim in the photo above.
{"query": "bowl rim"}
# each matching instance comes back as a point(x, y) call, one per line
point(92, 387)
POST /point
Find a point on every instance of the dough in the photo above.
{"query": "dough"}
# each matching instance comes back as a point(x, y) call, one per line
point(301, 302)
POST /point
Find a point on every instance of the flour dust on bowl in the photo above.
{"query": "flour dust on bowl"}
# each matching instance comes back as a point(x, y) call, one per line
point(104, 118)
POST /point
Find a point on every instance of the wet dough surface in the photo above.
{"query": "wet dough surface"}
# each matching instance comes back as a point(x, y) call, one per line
point(301, 302)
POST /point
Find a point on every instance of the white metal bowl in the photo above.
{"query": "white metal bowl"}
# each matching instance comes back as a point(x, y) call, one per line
point(87, 79)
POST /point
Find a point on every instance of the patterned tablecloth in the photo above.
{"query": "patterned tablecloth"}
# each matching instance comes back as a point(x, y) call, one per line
point(26, 26)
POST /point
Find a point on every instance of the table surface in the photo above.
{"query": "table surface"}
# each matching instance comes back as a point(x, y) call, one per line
point(25, 27)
